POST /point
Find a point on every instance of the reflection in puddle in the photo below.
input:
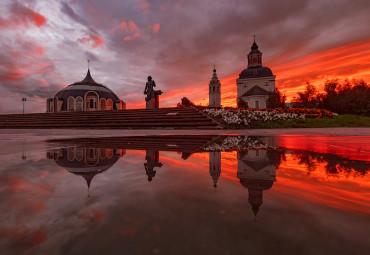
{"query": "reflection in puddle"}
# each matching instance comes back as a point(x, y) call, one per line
point(257, 158)
point(231, 191)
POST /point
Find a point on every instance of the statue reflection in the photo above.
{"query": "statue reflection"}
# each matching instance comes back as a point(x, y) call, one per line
point(86, 161)
point(152, 161)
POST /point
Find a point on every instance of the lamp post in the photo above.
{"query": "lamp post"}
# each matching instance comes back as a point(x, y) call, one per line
point(24, 99)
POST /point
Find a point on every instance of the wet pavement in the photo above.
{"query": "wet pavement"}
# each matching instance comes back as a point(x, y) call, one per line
point(199, 193)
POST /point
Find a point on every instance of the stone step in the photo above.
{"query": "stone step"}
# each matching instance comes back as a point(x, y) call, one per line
point(144, 119)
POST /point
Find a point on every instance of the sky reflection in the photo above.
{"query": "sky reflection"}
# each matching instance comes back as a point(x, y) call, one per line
point(111, 195)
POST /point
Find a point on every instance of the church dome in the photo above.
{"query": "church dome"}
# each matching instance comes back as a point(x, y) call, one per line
point(255, 72)
point(256, 184)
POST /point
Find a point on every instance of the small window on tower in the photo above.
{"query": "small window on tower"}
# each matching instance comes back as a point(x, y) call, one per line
point(255, 72)
point(255, 60)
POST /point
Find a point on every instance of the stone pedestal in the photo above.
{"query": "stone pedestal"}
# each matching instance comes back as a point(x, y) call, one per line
point(150, 104)
point(156, 101)
point(153, 102)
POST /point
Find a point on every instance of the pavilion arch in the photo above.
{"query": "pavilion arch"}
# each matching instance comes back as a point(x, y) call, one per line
point(79, 104)
point(91, 101)
point(103, 153)
point(71, 153)
point(71, 104)
point(109, 153)
point(79, 153)
point(109, 104)
point(91, 156)
point(103, 104)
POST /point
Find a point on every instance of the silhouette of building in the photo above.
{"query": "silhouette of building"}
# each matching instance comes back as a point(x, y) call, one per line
point(255, 82)
point(215, 166)
point(86, 95)
point(85, 161)
point(256, 171)
point(214, 91)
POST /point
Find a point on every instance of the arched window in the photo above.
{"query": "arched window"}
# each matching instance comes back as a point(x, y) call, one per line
point(71, 153)
point(92, 156)
point(109, 104)
point(71, 104)
point(103, 104)
point(79, 153)
point(79, 104)
point(103, 153)
point(109, 153)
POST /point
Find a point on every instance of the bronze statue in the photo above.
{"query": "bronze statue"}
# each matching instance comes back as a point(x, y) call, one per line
point(151, 99)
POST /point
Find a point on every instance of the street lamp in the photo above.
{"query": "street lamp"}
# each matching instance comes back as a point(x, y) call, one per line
point(24, 99)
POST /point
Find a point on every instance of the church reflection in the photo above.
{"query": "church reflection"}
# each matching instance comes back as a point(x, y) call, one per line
point(256, 172)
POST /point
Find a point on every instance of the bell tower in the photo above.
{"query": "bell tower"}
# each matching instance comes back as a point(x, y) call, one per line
point(214, 91)
point(254, 56)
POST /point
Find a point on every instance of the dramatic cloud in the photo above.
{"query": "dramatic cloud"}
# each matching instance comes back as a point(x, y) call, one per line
point(177, 42)
point(21, 15)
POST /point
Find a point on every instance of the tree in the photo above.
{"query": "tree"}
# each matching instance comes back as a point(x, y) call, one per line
point(242, 104)
point(185, 102)
point(276, 99)
point(307, 98)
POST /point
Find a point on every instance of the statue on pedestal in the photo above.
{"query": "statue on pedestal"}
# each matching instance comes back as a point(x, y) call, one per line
point(152, 96)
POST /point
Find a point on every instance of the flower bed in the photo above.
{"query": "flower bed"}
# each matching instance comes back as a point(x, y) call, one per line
point(246, 117)
point(239, 143)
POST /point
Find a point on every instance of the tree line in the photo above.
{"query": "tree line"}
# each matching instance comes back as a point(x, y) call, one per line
point(347, 97)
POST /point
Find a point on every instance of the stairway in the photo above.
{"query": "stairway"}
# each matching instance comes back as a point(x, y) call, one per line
point(179, 143)
point(161, 118)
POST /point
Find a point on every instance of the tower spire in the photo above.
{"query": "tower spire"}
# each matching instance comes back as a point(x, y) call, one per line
point(88, 64)
point(254, 38)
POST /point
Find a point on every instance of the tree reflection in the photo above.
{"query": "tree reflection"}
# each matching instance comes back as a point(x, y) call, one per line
point(333, 164)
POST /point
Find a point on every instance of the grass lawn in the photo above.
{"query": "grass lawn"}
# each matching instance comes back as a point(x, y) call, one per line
point(336, 121)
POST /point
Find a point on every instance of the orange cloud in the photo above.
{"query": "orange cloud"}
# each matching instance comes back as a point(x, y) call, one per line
point(20, 15)
point(344, 62)
point(93, 40)
point(130, 28)
point(144, 5)
point(131, 37)
point(156, 28)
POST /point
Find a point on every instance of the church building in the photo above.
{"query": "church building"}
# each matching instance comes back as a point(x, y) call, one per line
point(86, 95)
point(214, 90)
point(255, 82)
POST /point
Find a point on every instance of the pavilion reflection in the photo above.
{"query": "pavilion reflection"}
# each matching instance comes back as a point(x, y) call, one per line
point(86, 162)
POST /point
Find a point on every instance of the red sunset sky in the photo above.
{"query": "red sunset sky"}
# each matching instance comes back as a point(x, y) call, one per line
point(44, 46)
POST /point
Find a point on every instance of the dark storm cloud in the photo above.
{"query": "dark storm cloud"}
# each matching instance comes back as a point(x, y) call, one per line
point(177, 42)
